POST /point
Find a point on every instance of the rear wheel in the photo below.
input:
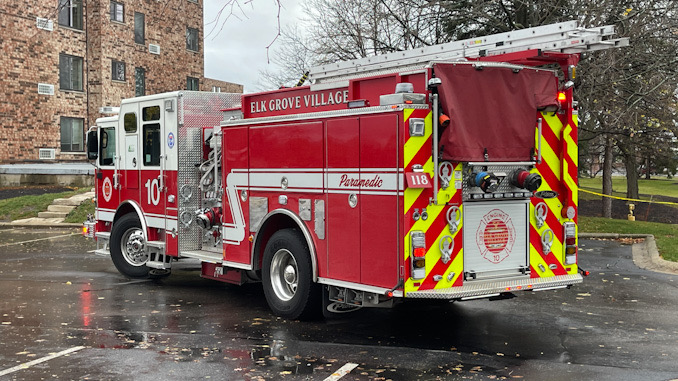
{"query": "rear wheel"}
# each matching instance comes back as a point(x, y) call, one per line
point(128, 247)
point(287, 277)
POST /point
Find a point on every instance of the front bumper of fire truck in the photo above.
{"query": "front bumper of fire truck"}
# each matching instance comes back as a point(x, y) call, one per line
point(487, 289)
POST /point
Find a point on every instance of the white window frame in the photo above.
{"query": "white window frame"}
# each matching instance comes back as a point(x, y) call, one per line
point(117, 9)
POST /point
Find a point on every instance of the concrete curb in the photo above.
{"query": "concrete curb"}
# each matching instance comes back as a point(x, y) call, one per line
point(645, 254)
point(61, 225)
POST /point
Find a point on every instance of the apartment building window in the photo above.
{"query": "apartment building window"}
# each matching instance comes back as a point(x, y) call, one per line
point(216, 89)
point(192, 39)
point(192, 84)
point(117, 11)
point(72, 134)
point(70, 13)
point(139, 81)
point(118, 71)
point(70, 72)
point(139, 28)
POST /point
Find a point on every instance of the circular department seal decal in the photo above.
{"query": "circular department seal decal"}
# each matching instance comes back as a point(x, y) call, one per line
point(107, 189)
point(495, 236)
point(170, 140)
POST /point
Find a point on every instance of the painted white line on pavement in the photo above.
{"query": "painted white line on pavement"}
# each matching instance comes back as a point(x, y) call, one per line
point(38, 239)
point(38, 361)
point(344, 370)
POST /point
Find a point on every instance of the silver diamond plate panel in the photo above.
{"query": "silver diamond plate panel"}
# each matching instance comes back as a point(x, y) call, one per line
point(195, 111)
point(487, 288)
point(504, 185)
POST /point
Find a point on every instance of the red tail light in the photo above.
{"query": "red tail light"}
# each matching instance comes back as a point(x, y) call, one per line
point(418, 250)
point(570, 235)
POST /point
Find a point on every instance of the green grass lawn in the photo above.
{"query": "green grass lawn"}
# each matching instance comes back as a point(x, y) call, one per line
point(29, 206)
point(79, 214)
point(665, 234)
point(657, 186)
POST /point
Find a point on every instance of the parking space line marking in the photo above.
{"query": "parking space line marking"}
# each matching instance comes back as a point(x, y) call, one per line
point(38, 239)
point(40, 360)
point(341, 372)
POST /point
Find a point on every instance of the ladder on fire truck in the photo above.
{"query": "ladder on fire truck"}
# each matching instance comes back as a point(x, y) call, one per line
point(565, 37)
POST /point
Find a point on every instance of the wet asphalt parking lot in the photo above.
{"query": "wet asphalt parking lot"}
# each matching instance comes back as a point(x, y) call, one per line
point(67, 314)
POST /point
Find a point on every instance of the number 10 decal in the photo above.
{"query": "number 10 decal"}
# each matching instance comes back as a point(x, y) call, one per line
point(153, 191)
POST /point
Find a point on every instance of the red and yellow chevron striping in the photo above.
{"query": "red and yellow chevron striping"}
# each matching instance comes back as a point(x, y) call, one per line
point(558, 170)
point(417, 150)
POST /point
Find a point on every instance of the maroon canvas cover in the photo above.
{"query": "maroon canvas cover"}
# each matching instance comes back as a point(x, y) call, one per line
point(493, 110)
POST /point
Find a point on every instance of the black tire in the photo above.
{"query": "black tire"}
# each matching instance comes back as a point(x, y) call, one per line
point(129, 259)
point(287, 277)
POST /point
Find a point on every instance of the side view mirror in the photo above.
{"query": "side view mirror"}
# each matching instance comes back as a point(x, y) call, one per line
point(92, 145)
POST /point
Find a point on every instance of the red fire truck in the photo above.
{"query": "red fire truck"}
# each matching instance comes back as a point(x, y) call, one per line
point(446, 172)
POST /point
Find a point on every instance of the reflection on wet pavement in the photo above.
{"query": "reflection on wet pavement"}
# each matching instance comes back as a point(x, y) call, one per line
point(57, 296)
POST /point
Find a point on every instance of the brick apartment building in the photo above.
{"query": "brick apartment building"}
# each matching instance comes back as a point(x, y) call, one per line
point(61, 60)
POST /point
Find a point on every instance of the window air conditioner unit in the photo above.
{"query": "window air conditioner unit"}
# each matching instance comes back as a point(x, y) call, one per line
point(44, 24)
point(154, 49)
point(109, 110)
point(45, 89)
point(47, 154)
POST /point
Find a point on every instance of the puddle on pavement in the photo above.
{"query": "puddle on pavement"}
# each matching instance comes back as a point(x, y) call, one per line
point(273, 358)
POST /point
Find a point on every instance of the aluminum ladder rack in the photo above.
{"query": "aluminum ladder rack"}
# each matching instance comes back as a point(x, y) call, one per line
point(564, 37)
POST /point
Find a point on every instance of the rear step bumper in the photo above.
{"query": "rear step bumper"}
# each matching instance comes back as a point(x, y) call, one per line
point(492, 288)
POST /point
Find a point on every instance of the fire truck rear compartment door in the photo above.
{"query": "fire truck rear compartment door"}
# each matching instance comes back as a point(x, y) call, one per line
point(496, 242)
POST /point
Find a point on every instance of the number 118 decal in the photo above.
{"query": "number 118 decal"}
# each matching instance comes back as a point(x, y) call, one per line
point(418, 180)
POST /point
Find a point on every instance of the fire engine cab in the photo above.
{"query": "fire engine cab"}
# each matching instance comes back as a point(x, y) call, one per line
point(446, 172)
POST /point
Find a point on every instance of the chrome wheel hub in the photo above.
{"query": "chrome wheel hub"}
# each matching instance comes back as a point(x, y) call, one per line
point(284, 275)
point(133, 246)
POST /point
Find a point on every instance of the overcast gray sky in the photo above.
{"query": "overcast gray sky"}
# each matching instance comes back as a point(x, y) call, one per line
point(238, 52)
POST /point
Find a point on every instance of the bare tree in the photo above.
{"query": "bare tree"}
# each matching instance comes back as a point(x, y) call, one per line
point(292, 56)
point(630, 91)
point(344, 30)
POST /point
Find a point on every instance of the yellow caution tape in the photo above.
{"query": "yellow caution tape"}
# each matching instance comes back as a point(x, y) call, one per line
point(628, 199)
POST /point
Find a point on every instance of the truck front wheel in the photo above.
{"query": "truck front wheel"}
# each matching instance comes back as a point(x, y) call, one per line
point(128, 247)
point(287, 277)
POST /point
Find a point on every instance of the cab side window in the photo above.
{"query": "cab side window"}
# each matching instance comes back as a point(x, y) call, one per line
point(151, 135)
point(152, 144)
point(107, 146)
point(130, 122)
